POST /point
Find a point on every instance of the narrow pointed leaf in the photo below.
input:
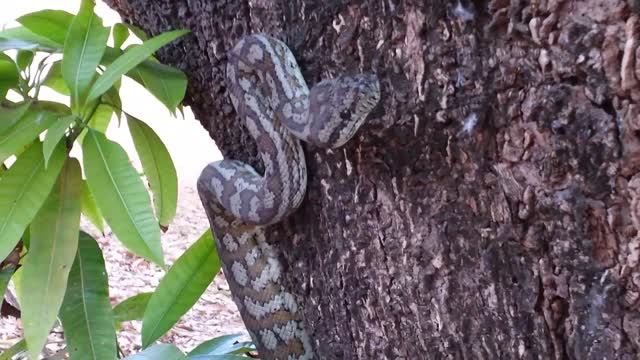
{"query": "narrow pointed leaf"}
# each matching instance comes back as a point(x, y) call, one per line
point(26, 238)
point(120, 35)
point(165, 83)
point(129, 60)
point(52, 24)
point(9, 44)
point(113, 100)
point(54, 241)
point(222, 345)
point(16, 281)
point(8, 74)
point(90, 208)
point(27, 129)
point(86, 313)
point(54, 134)
point(101, 118)
point(139, 33)
point(22, 38)
point(24, 58)
point(83, 48)
point(131, 308)
point(15, 349)
point(121, 196)
point(99, 121)
point(217, 357)
point(23, 190)
point(5, 276)
point(187, 279)
point(10, 116)
point(158, 167)
point(55, 81)
point(159, 351)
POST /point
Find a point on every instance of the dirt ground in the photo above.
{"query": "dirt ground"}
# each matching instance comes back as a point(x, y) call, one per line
point(213, 315)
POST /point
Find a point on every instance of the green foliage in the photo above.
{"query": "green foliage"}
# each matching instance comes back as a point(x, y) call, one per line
point(90, 208)
point(17, 348)
point(54, 240)
point(86, 313)
point(23, 190)
point(159, 351)
point(121, 196)
point(226, 345)
point(43, 193)
point(10, 116)
point(187, 279)
point(24, 132)
point(5, 276)
point(130, 59)
point(83, 48)
point(132, 308)
point(157, 165)
point(9, 75)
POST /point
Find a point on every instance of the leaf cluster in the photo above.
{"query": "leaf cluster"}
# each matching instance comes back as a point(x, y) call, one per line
point(58, 270)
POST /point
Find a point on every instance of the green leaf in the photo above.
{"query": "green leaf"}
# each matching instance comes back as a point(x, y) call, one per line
point(83, 48)
point(17, 348)
point(164, 82)
point(8, 74)
point(131, 308)
point(158, 167)
point(10, 44)
point(121, 196)
point(23, 190)
point(5, 276)
point(52, 24)
point(139, 33)
point(55, 81)
point(24, 132)
point(54, 134)
point(24, 58)
point(129, 60)
point(10, 116)
point(86, 313)
point(26, 238)
point(221, 345)
point(120, 35)
point(159, 351)
point(112, 99)
point(216, 357)
point(16, 279)
point(23, 38)
point(187, 279)
point(54, 241)
point(99, 120)
point(52, 106)
point(90, 208)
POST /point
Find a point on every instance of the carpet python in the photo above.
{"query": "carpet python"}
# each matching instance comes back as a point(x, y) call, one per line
point(269, 93)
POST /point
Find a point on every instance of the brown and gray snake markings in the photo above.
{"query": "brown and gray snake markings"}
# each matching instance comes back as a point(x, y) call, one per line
point(269, 93)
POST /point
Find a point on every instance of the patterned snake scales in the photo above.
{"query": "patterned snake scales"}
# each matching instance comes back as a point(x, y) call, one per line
point(269, 93)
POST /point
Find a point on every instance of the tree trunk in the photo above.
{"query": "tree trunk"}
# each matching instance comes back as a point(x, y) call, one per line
point(488, 208)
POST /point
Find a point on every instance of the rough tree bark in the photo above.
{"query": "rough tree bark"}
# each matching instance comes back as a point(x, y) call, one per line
point(489, 208)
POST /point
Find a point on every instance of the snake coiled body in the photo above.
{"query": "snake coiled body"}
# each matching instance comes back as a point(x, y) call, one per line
point(270, 95)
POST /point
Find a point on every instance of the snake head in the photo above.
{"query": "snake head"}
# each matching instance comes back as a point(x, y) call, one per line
point(338, 107)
